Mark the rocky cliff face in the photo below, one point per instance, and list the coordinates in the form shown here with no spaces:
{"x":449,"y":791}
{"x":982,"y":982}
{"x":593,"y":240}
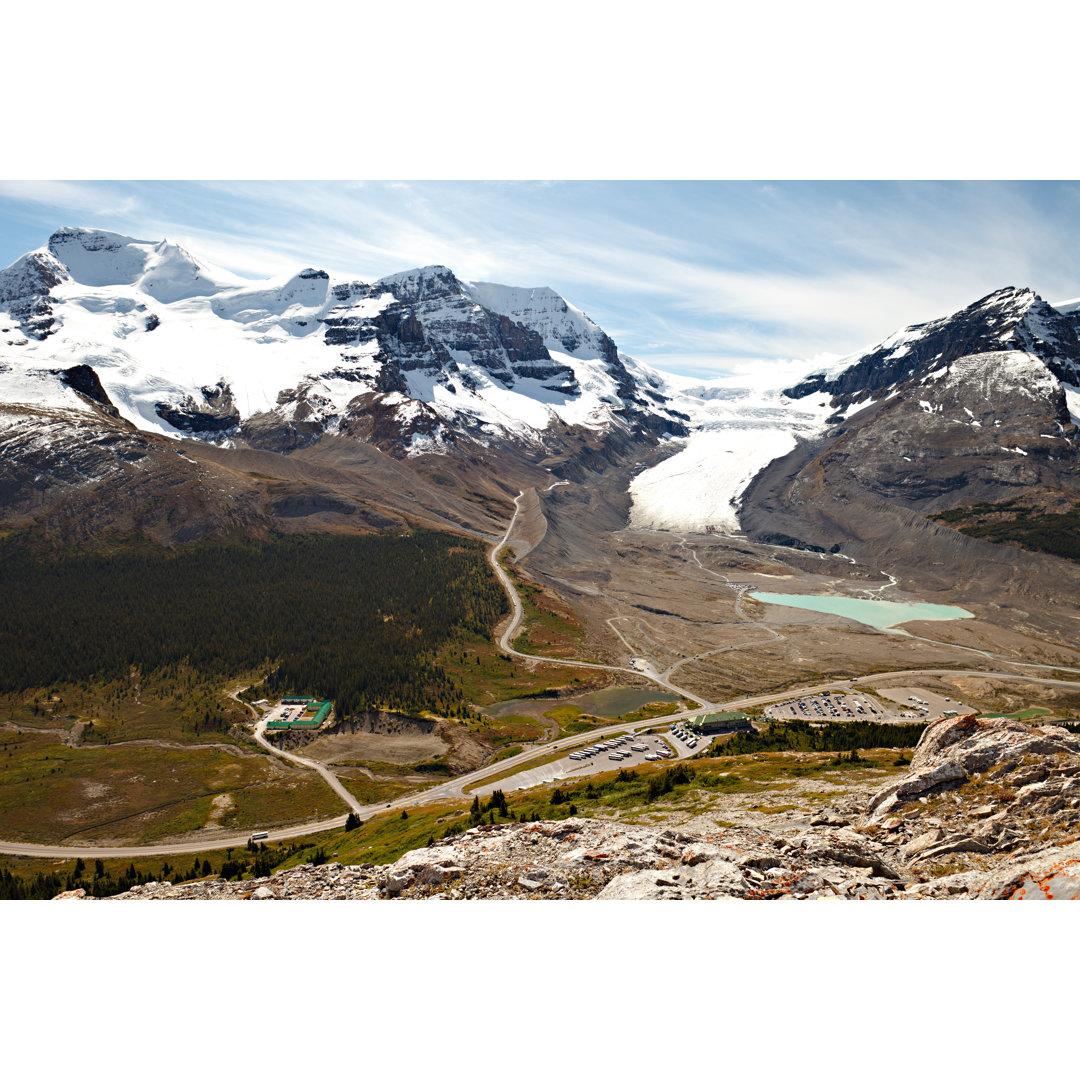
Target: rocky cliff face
{"x":990,"y":809}
{"x":989,"y":426}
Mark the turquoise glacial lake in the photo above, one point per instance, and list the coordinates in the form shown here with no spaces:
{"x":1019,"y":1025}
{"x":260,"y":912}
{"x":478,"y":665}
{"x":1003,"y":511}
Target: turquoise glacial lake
{"x":880,"y":614}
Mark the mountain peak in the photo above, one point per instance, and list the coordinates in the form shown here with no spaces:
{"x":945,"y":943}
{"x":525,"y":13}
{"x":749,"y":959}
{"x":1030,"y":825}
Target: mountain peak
{"x":1008,"y":319}
{"x":164,"y":270}
{"x":96,"y":257}
{"x":417,"y":361}
{"x":435,"y":282}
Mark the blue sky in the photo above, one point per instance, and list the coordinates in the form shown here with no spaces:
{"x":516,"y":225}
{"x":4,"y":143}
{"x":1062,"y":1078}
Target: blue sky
{"x":697,"y":277}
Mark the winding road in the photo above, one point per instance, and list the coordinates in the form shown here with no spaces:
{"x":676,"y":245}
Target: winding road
{"x":518,"y":614}
{"x":339,"y":788}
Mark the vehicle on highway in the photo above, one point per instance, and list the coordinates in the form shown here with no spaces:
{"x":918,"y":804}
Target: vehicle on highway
{"x":257,"y":836}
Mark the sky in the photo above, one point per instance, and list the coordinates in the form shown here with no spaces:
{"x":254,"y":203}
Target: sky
{"x":700,"y":278}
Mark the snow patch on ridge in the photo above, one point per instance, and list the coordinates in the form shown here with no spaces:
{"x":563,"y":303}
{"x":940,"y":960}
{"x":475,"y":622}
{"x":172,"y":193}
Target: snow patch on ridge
{"x":39,"y":389}
{"x":1005,"y":372}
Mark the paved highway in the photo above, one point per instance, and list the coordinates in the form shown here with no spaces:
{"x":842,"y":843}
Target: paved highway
{"x":455,"y":789}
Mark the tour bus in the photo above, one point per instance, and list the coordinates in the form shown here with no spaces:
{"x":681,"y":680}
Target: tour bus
{"x":257,"y":836}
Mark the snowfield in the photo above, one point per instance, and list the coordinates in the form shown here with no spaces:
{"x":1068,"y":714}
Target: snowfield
{"x":160,"y":327}
{"x":738,"y":432}
{"x":701,"y":485}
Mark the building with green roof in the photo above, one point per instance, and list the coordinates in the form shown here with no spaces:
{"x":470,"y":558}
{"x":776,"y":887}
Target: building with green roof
{"x":718,"y":723}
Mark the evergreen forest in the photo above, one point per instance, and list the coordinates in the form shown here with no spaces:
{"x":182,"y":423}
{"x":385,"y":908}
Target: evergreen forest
{"x":1013,"y":523}
{"x":803,"y":735}
{"x":358,"y":619}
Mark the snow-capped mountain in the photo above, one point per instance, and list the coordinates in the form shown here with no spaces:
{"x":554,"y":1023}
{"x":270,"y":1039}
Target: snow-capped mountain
{"x":113,"y":350}
{"x":414,"y":362}
{"x":1009,"y":319}
{"x":980,"y":406}
{"x":1005,"y":370}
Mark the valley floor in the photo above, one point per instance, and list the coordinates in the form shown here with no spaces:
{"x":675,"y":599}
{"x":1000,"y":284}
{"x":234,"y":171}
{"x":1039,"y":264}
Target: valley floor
{"x":647,"y":609}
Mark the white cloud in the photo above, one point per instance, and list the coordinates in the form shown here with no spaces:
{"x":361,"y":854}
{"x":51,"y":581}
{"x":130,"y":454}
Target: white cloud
{"x":66,"y":195}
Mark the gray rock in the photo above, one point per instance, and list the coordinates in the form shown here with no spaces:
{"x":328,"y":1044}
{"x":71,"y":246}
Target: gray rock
{"x":924,"y":841}
{"x":1046,"y":875}
{"x":977,"y":745}
{"x":913,"y":785}
{"x":954,"y":844}
{"x":396,"y":882}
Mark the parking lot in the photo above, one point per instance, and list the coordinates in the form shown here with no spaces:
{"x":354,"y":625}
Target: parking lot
{"x":914,"y":703}
{"x":826,"y":706}
{"x":626,"y":752}
{"x":283,"y":712}
{"x":602,"y":760}
{"x":612,"y":754}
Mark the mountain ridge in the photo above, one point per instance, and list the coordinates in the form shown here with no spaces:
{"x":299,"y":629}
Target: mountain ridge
{"x":146,"y":341}
{"x":94,"y":297}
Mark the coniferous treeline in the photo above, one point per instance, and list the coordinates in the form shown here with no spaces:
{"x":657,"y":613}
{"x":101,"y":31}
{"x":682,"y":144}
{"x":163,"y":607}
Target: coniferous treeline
{"x":354,"y":618}
{"x":1056,"y":534}
{"x":802,"y":735}
{"x":258,"y":861}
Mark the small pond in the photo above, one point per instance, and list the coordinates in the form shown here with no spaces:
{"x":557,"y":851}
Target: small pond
{"x":612,"y":702}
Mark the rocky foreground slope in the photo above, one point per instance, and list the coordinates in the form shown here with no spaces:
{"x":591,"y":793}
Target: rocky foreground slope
{"x":990,"y":809}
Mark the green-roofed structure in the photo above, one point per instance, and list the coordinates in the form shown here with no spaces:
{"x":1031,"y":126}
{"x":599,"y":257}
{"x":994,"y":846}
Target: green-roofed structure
{"x":315,"y":712}
{"x":718,"y":723}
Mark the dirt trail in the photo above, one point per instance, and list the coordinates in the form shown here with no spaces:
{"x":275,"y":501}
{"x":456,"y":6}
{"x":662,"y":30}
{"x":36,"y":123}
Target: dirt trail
{"x":529,"y":526}
{"x":65,"y":736}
